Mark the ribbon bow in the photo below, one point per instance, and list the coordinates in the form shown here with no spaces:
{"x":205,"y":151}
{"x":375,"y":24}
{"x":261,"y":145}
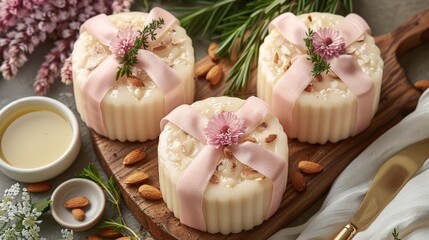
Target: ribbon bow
{"x":293,"y":82}
{"x":102,"y":78}
{"x":191,"y":185}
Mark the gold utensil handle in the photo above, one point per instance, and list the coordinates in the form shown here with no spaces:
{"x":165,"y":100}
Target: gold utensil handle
{"x":347,"y":233}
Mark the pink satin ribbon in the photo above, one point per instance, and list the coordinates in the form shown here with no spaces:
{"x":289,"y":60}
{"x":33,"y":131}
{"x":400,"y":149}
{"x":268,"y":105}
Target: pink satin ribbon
{"x":293,"y":82}
{"x":195,"y":178}
{"x":102,"y":78}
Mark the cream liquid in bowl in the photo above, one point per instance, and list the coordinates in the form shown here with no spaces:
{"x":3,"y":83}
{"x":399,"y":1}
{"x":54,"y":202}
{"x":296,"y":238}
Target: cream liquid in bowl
{"x":34,"y":137}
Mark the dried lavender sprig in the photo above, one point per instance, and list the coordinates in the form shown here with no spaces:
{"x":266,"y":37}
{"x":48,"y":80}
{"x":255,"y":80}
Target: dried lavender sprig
{"x":29,"y":34}
{"x":12,"y":11}
{"x":51,"y":67}
{"x":67,"y":72}
{"x":121,"y":5}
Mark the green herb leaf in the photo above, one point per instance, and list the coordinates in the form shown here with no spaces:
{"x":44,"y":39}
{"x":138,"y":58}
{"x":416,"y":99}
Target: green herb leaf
{"x":130,"y":57}
{"x":42,"y":205}
{"x":243,"y":25}
{"x":395,"y":235}
{"x":320,"y":65}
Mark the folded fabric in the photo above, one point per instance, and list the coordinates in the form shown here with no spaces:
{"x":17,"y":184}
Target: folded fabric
{"x":408,"y":212}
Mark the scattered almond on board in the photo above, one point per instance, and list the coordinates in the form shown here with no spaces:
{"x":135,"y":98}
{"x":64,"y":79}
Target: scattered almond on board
{"x":136,"y":178}
{"x":309,"y":167}
{"x":134,"y":156}
{"x":209,"y":68}
{"x":422,"y":85}
{"x":149,"y":192}
{"x":298,"y":181}
{"x":306,"y":167}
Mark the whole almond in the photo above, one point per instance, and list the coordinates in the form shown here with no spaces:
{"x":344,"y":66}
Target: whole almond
{"x":124,"y":238}
{"x":93,"y":237}
{"x":271,"y":138}
{"x":39,"y":187}
{"x":422,"y":85}
{"x":78,"y":214}
{"x":134,"y":156}
{"x":136,"y":178}
{"x":77,"y":202}
{"x":298,"y":181}
{"x":212,"y":49}
{"x":150,"y":192}
{"x":215,"y":74}
{"x":309,"y":167}
{"x":109,"y":233}
{"x":203,"y":68}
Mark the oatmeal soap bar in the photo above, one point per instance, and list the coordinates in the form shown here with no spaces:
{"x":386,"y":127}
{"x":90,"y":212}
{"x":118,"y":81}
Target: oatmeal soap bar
{"x":223,"y":168}
{"x":331,"y":105}
{"x":130,"y":108}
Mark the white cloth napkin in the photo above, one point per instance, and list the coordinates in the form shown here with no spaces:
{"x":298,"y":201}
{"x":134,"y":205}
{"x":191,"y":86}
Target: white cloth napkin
{"x":408,"y":212}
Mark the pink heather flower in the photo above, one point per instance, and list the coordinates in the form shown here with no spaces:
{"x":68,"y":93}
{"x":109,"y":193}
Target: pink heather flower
{"x":123,"y":42}
{"x":224,"y":129}
{"x":328,"y":43}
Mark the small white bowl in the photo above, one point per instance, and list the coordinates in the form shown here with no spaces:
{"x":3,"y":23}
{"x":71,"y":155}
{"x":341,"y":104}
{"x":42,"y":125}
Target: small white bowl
{"x":74,"y":188}
{"x":54,"y":168}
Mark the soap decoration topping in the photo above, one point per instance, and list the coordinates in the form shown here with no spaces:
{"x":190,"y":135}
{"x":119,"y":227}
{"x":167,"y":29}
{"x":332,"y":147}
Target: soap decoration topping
{"x":191,"y":185}
{"x":128,"y":42}
{"x":302,"y":72}
{"x":322,"y":46}
{"x":224,"y":129}
{"x":102,"y":78}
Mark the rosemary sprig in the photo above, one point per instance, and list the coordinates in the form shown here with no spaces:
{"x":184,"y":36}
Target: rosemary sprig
{"x":114,"y":197}
{"x":395,"y":235}
{"x":130,"y":57}
{"x":242,"y":25}
{"x":320,"y":65}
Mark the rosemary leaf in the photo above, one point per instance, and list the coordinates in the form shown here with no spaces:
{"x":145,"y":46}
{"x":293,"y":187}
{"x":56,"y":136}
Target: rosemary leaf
{"x":236,"y":22}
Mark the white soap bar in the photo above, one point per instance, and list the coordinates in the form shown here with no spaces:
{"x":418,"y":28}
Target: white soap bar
{"x":328,"y":112}
{"x":133,"y":113}
{"x":239,"y":201}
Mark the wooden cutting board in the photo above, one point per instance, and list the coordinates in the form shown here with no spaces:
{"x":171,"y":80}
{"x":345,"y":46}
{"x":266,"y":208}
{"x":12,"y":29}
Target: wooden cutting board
{"x":398,"y":98}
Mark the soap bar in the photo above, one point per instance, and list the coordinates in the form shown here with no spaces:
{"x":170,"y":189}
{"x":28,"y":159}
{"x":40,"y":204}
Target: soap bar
{"x":237,"y":197}
{"x":327,"y":109}
{"x":132,"y":112}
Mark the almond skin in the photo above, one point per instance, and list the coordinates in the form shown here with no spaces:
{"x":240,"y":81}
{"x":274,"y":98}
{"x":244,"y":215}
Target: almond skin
{"x":135,"y":82}
{"x":39,"y":187}
{"x":215,"y":74}
{"x":211,"y":51}
{"x":422,"y":85}
{"x":77,"y":202}
{"x":93,"y":237}
{"x":78,"y":214}
{"x":298,"y":181}
{"x":271,"y":138}
{"x":134,"y":156}
{"x":109,"y":233}
{"x":136,"y":178}
{"x":309,"y":167}
{"x":202,"y":69}
{"x":150,"y":192}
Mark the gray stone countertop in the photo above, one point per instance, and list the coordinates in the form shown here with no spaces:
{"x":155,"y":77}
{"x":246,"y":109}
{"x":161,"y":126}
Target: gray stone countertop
{"x":383,"y":16}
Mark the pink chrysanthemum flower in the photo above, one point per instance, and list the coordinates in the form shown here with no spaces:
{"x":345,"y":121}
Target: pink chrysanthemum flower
{"x":123,"y":42}
{"x":328,"y":43}
{"x":224,"y":129}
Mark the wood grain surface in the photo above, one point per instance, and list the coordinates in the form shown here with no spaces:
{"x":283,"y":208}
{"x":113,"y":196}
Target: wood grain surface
{"x":398,"y":98}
